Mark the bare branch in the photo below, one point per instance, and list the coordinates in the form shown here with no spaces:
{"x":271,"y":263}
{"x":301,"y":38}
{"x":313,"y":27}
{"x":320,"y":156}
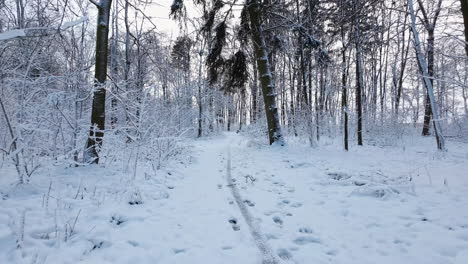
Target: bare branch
{"x":98,"y":5}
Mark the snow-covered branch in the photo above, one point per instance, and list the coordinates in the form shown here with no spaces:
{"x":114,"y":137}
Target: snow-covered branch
{"x":38,"y":31}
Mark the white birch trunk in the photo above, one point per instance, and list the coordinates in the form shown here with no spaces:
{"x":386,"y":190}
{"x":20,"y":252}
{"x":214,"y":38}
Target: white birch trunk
{"x":427,"y":82}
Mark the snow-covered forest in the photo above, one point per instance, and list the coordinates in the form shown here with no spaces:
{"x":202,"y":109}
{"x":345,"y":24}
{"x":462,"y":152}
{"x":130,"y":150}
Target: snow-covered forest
{"x":234,"y":131}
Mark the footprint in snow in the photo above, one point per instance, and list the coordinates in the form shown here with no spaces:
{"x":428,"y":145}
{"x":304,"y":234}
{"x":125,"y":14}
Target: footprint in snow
{"x":179,"y":250}
{"x":305,"y":230}
{"x":296,"y":204}
{"x":133,"y":243}
{"x":235,"y":226}
{"x":338,"y":176}
{"x":302,"y":240}
{"x":117,"y":220}
{"x":278,"y":183}
{"x":97,"y":244}
{"x":277,"y":220}
{"x":284,"y":254}
{"x":249,"y":203}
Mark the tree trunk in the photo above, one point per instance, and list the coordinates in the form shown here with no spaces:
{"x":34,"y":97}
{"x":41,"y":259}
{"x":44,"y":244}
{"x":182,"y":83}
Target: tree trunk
{"x":427,"y":79}
{"x":20,"y":13}
{"x":464,"y":9}
{"x":430,"y":72}
{"x":429,"y":24}
{"x":199,"y":97}
{"x":359,"y":87}
{"x":344,"y":95}
{"x":254,"y":95}
{"x":404,"y":59}
{"x":265,"y":74}
{"x":98,"y":112}
{"x":114,"y":66}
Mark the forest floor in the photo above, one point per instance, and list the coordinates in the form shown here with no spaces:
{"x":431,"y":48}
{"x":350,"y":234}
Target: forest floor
{"x":233,"y":200}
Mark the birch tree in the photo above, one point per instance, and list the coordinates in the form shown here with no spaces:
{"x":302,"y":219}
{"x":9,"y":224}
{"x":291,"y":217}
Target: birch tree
{"x":429,"y":24}
{"x":423,"y":67}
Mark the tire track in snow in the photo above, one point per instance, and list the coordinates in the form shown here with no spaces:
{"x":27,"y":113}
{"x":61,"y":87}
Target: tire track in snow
{"x":260,"y":241}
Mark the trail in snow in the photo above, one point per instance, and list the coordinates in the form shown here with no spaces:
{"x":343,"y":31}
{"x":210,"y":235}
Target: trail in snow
{"x":321,"y":205}
{"x":188,"y":225}
{"x":260,"y":241}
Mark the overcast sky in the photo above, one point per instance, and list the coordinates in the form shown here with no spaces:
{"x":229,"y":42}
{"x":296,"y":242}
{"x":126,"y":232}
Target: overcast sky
{"x":159,"y":12}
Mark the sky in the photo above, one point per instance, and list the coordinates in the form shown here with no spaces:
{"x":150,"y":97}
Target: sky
{"x":159,"y":12}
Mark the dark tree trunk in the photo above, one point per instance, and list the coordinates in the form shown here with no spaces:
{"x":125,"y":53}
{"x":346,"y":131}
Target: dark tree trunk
{"x":359,"y":87}
{"x":200,"y":111}
{"x":98,"y":112}
{"x":404,"y":59}
{"x":430,"y":25}
{"x":265,"y":74}
{"x":464,"y":9}
{"x":344,"y":97}
{"x":199,"y":97}
{"x":254,"y":95}
{"x":430,"y":71}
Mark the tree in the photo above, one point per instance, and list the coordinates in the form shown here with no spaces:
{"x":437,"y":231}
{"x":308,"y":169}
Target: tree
{"x":233,"y":70}
{"x":464,"y":9}
{"x":264,"y":71}
{"x":98,"y":112}
{"x":344,"y":95}
{"x":424,"y":68}
{"x":429,"y":25}
{"x":361,"y":31}
{"x":359,"y":82}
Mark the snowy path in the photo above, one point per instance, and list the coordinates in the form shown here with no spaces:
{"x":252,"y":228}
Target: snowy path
{"x":200,"y":223}
{"x":239,"y":202}
{"x":260,"y":241}
{"x":327,"y":206}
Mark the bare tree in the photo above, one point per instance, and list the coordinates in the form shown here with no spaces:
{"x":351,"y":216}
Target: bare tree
{"x":429,"y":25}
{"x":98,"y":112}
{"x":424,"y":68}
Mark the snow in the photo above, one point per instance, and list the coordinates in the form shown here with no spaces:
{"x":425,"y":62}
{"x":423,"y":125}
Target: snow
{"x":309,"y":205}
{"x":38,"y":31}
{"x":15,"y":33}
{"x":70,"y":24}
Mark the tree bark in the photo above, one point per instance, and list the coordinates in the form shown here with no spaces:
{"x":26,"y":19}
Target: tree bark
{"x":359,"y":87}
{"x":265,"y":74}
{"x":430,"y":27}
{"x":114,"y":66}
{"x":464,"y":9}
{"x":404,"y":59}
{"x":98,"y":112}
{"x":423,"y":67}
{"x":254,"y":95}
{"x":430,"y":72}
{"x":344,"y":95}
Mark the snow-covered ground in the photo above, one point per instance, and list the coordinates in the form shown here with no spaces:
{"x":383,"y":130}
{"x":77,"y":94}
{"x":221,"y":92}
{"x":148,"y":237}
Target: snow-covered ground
{"x":233,"y":200}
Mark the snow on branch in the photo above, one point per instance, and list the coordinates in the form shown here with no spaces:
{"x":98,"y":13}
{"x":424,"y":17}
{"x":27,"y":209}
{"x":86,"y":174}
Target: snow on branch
{"x":39,"y":31}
